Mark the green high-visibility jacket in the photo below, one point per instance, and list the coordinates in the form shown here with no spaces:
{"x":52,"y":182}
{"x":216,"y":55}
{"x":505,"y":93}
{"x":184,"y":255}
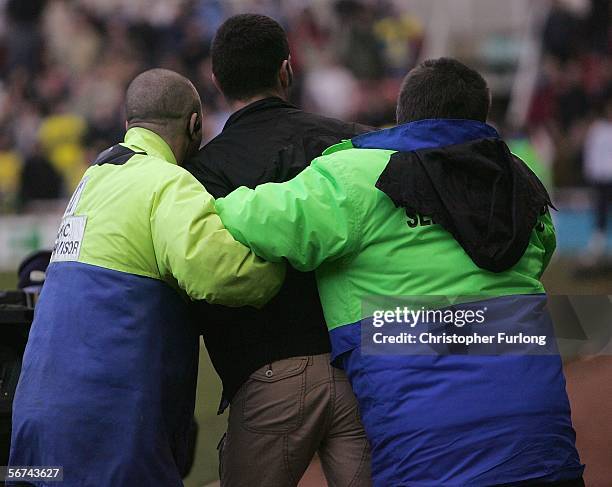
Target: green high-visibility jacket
{"x":332,"y":218}
{"x":150,"y":217}
{"x":109,"y":374}
{"x":431,"y":209}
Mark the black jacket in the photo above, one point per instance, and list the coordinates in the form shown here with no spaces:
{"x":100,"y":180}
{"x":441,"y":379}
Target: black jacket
{"x":267,"y":141}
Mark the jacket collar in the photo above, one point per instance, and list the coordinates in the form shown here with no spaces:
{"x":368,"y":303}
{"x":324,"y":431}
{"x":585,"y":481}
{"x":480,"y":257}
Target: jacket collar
{"x":425,"y":134}
{"x":257,"y":106}
{"x":144,"y":140}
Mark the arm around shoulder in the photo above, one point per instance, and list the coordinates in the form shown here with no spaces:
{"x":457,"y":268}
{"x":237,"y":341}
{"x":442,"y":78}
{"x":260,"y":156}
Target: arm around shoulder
{"x":308,"y":220}
{"x":193,"y":247}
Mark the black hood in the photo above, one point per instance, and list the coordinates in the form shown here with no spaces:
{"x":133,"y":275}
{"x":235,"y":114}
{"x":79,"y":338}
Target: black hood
{"x":482,"y":194}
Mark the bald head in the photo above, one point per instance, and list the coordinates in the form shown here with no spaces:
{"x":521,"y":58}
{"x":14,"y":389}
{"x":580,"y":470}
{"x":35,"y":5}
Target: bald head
{"x":160,"y":96}
{"x":168,"y":104}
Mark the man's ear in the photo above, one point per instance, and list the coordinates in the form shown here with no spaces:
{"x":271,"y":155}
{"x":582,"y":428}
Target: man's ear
{"x":286,"y":73}
{"x":195,"y":125}
{"x":126,"y":125}
{"x":216,"y":83}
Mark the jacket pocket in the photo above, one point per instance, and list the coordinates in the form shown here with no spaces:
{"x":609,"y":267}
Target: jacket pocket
{"x":274,"y":397}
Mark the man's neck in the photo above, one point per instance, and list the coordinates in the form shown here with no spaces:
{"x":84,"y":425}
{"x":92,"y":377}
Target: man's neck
{"x":236,"y":105}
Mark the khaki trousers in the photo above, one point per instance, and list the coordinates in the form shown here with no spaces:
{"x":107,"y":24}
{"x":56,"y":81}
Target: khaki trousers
{"x":285,"y":413}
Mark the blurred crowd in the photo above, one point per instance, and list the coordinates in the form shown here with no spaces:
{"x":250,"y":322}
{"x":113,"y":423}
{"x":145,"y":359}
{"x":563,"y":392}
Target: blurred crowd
{"x":64,"y":65}
{"x":574,"y":94}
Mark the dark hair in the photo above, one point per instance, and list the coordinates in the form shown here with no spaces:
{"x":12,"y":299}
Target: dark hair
{"x":247,"y":53}
{"x":443,"y":88}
